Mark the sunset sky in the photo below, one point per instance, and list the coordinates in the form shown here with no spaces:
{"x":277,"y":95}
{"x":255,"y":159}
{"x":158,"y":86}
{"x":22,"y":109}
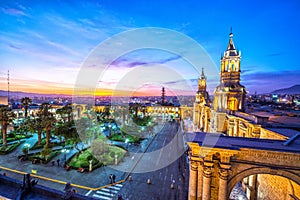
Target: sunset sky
{"x":44,"y":44}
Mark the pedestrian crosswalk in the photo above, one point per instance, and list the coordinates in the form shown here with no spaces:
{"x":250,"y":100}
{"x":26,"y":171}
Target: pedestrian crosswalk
{"x":108,"y":193}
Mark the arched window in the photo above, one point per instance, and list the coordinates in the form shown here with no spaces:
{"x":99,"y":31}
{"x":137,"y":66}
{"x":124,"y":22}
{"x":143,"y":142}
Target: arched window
{"x":232,"y":104}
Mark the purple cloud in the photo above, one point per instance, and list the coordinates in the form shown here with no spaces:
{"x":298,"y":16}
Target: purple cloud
{"x":14,"y":47}
{"x":14,"y":11}
{"x":127,"y":63}
{"x":264,"y":82}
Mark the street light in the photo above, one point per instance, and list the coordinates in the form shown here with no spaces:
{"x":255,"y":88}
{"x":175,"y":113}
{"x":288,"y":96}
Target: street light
{"x":27,"y":146}
{"x":126,"y":142}
{"x":65,"y":151}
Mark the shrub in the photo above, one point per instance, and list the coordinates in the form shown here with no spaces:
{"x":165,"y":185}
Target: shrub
{"x":46,"y":151}
{"x":84,"y":165}
{"x":25,"y":150}
{"x":11,"y":135}
{"x":112,"y":154}
{"x":89,"y":157}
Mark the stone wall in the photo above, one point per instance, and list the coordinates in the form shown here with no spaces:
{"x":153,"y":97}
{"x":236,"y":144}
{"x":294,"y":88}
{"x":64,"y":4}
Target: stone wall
{"x":272,"y":187}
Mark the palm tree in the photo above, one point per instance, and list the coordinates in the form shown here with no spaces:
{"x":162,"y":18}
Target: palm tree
{"x":6,"y":117}
{"x":68,"y":131}
{"x":65,"y":112}
{"x":68,"y":110}
{"x":48,"y":121}
{"x":134,"y":109}
{"x":36,"y":125}
{"x":26,"y":101}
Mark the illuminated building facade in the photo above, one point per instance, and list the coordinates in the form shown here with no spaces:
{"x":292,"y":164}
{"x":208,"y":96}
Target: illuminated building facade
{"x":227,"y":115}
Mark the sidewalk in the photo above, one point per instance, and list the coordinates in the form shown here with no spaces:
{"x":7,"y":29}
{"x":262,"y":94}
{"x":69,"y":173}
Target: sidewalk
{"x":97,"y":178}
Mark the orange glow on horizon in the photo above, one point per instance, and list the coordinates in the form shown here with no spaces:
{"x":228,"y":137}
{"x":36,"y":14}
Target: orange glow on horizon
{"x":54,"y":88}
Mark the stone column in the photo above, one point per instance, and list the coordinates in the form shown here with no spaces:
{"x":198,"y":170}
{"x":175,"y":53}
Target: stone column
{"x":235,"y":129}
{"x":230,"y":128}
{"x":207,"y":171}
{"x":201,"y":119}
{"x":223,"y":175}
{"x":205,"y":121}
{"x":200,"y":181}
{"x":253,"y":187}
{"x":193,"y":181}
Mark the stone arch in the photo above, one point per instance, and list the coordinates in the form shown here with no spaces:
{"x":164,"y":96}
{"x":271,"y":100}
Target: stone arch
{"x":261,"y":170}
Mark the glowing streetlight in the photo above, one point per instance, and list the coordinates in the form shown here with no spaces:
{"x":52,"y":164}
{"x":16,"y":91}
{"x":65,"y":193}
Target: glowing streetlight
{"x":27,"y":146}
{"x":126,"y":142}
{"x":65,"y":151}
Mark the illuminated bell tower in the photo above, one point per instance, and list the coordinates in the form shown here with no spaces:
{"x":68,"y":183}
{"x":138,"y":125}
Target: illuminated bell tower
{"x":201,"y":95}
{"x":230,"y":94}
{"x":201,"y":102}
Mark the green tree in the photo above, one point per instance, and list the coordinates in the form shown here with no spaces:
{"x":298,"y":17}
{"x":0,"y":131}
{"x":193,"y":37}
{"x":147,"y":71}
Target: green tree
{"x":84,"y":129}
{"x":36,"y":125}
{"x":65,"y":113}
{"x":98,"y":148}
{"x":6,"y":117}
{"x":48,"y":121}
{"x":26,"y":101}
{"x":134,"y":109}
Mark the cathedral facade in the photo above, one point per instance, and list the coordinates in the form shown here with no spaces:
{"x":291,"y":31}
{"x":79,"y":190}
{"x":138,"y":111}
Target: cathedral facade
{"x":227,"y":114}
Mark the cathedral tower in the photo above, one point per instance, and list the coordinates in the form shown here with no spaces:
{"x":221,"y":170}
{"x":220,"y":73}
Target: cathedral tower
{"x":202,"y":95}
{"x":230,"y":94}
{"x":201,"y":105}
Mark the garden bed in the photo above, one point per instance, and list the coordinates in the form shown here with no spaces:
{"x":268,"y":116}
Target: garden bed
{"x":52,"y":144}
{"x":40,"y":158}
{"x":11,"y":137}
{"x":123,"y":137}
{"x":81,"y":160}
{"x":9,"y":148}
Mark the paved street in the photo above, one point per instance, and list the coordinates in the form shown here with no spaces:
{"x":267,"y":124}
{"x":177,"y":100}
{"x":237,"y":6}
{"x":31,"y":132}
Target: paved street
{"x":167,"y":172}
{"x":156,"y":159}
{"x":107,"y":193}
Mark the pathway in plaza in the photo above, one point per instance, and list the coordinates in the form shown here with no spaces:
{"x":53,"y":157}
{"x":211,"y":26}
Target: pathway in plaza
{"x":174,"y":173}
{"x":169,"y":181}
{"x":97,"y":178}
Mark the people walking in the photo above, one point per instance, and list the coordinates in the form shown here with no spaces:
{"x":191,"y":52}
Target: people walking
{"x":58,"y":160}
{"x":113,"y":178}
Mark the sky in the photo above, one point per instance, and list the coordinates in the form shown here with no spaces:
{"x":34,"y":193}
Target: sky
{"x":46,"y":44}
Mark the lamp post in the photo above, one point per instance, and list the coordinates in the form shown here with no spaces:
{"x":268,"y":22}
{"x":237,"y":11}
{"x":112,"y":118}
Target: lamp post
{"x":27,"y":146}
{"x":116,"y":159}
{"x":65,"y":151}
{"x":126,"y":142}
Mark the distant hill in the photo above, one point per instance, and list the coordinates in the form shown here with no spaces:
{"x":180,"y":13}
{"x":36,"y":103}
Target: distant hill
{"x":28,"y":94}
{"x":291,"y":90}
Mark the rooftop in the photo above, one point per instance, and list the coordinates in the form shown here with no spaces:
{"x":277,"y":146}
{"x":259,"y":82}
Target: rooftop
{"x":236,"y":143}
{"x":285,"y":131}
